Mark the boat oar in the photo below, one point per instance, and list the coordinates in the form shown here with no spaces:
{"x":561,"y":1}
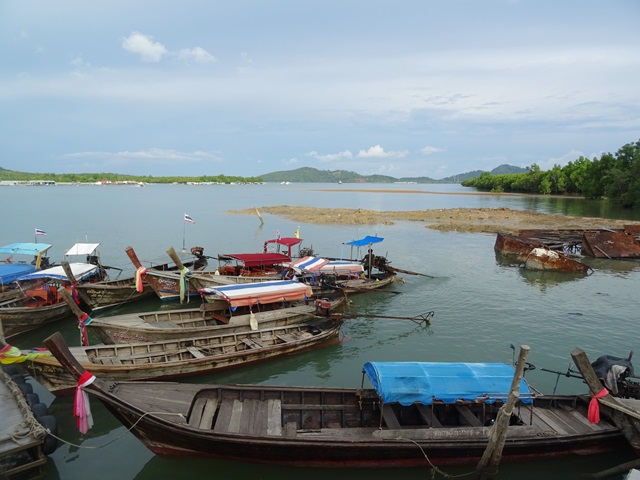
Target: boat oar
{"x":408,"y":272}
{"x":421,"y":318}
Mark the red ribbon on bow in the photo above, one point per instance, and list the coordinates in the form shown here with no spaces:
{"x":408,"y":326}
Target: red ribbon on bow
{"x":593,"y":413}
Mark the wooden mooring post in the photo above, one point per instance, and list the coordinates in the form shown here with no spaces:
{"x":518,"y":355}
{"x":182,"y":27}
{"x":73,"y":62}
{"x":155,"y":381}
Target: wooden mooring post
{"x":488,"y":465}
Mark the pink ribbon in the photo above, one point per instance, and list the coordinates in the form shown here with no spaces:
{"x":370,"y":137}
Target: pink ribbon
{"x":140,"y":273}
{"x":593,"y":413}
{"x":81,"y":407}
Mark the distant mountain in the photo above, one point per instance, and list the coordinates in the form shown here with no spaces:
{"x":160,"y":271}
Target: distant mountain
{"x":313,"y":175}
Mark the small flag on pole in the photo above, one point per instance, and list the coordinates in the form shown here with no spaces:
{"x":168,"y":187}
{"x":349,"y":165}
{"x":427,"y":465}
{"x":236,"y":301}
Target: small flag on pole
{"x":278,"y":234}
{"x":298,"y":232}
{"x":41,"y":232}
{"x":187,"y":218}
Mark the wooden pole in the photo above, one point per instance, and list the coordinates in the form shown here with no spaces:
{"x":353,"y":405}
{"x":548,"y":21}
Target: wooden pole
{"x":175,"y":258}
{"x":488,"y":465}
{"x":69,"y":273}
{"x":133,"y":257}
{"x":66,"y":296}
{"x":595,"y":386}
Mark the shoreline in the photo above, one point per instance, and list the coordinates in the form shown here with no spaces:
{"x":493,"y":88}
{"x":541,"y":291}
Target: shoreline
{"x":470,"y":220}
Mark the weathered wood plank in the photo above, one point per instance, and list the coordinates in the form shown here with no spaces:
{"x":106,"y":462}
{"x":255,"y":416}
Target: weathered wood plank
{"x":274,"y":417}
{"x":468,"y":416}
{"x":195,"y":352}
{"x":236,"y":415}
{"x":390,"y":418}
{"x":251,"y":344}
{"x":208,"y":413}
{"x":254,"y":417}
{"x":427,"y":415}
{"x":290,"y":429}
{"x":549,"y":420}
{"x":224,"y":416}
{"x":196,"y":412}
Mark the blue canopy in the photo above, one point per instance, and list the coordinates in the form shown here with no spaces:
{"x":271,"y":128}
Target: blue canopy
{"x":424,"y":382}
{"x":365,"y":241}
{"x":11,"y":270}
{"x":34,"y":249}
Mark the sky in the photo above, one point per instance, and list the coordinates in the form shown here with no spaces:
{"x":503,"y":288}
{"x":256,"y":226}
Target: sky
{"x":403,"y":88}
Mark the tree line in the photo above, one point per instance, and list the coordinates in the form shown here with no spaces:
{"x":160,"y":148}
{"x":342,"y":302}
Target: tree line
{"x":616,"y":177}
{"x":114,"y":177}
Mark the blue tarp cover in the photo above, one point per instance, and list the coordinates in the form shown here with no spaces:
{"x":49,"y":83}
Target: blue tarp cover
{"x":12,"y":271}
{"x":424,"y":382}
{"x":365,"y":241}
{"x":25,"y":248}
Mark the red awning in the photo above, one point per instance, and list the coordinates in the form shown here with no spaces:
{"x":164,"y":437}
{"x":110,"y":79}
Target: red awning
{"x":256,"y":259}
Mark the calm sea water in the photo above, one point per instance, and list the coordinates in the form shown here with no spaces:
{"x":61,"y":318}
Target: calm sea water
{"x":482,"y":306}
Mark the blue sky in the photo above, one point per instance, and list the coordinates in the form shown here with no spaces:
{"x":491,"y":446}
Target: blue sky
{"x":400,"y":88}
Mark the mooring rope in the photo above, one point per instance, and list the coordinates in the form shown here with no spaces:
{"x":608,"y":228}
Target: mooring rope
{"x":117,"y":438}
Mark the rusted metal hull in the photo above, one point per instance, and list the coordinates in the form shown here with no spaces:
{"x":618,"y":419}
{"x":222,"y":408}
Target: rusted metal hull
{"x":611,"y":244}
{"x":549,"y":260}
{"x":514,"y":245}
{"x":180,"y":358}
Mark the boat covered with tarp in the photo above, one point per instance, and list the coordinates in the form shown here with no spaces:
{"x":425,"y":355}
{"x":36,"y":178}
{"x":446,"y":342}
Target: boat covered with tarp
{"x":13,"y":268}
{"x":385,"y":426}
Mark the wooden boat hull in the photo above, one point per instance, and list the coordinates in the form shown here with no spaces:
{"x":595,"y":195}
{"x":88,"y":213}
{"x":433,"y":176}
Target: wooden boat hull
{"x":20,"y":319}
{"x":167,"y":284}
{"x":189,"y":323}
{"x":180,"y":358}
{"x":113,"y":293}
{"x":361,"y":285}
{"x":324,"y":427}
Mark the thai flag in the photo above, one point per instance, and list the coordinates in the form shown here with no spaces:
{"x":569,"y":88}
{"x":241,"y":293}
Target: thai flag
{"x":278,"y":234}
{"x":187,"y":218}
{"x":41,"y":232}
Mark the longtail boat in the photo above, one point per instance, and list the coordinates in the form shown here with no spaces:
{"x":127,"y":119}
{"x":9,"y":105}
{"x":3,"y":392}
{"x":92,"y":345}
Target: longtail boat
{"x":41,"y":302}
{"x":178,"y":358}
{"x":409,"y":414}
{"x":229,"y":309}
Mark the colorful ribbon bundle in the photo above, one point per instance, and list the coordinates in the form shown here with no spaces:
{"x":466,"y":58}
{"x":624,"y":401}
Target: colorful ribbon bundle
{"x":83,"y":321}
{"x":9,"y":354}
{"x":81,"y":407}
{"x":140,"y":274}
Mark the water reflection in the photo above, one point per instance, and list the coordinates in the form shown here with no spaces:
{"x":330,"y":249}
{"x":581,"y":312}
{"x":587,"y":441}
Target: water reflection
{"x":545,"y":279}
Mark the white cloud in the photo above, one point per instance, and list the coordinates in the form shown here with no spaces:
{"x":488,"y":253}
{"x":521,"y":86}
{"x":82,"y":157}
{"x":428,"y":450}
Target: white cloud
{"x":144,"y":46}
{"x":330,"y":157}
{"x":151,"y":154}
{"x":430,"y":150}
{"x":196,"y":55}
{"x":378,"y":152}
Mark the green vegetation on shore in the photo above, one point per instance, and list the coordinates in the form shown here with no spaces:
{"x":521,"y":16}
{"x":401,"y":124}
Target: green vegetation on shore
{"x":611,"y":176}
{"x":115,"y":177}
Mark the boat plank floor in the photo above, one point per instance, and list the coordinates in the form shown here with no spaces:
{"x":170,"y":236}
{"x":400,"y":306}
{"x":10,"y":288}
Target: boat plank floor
{"x":229,"y":416}
{"x":254,"y":417}
{"x":274,"y":417}
{"x":208,"y":413}
{"x":551,"y":421}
